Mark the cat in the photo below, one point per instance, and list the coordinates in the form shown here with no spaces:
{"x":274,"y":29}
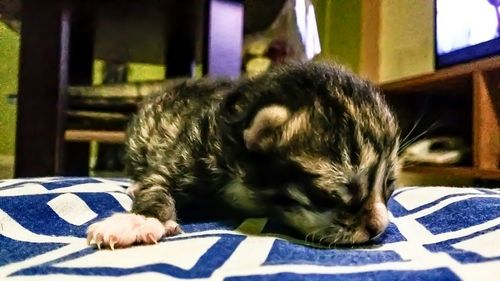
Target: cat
{"x":310,"y":144}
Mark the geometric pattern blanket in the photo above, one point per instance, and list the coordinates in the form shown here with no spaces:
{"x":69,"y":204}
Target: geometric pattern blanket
{"x":436,"y":233}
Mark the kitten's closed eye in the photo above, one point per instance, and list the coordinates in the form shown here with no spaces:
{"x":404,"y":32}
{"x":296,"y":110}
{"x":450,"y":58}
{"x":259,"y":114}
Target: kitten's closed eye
{"x":327,"y":199}
{"x":390,"y":185}
{"x":390,"y":182}
{"x":284,"y":200}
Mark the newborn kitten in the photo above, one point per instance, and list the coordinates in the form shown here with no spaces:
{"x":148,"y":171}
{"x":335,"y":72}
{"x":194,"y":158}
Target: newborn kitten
{"x":309,"y":144}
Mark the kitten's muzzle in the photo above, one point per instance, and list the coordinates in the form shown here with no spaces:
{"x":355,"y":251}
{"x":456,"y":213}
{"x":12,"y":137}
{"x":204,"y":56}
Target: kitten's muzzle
{"x":377,"y":220}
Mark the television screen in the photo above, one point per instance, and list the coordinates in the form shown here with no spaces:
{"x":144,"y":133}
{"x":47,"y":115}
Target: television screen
{"x":466,"y":30}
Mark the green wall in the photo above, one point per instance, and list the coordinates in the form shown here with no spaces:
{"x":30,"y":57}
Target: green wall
{"x":339,"y":26}
{"x":9,"y":61}
{"x":136,"y":72}
{"x":9,"y":55}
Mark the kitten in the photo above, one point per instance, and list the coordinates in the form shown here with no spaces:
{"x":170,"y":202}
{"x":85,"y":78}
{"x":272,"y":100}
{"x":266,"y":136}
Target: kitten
{"x":309,"y":144}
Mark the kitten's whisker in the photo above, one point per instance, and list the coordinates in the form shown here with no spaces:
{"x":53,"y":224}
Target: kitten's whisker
{"x":316,"y":232}
{"x":415,"y":125}
{"x":413,"y":128}
{"x":323,"y":238}
{"x":307,"y":236}
{"x":330,"y":245}
{"x":413,"y":139}
{"x":327,"y":237}
{"x":312,"y":233}
{"x":334,"y":239}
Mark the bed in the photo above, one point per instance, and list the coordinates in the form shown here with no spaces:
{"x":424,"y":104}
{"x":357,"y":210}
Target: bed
{"x":436,"y":233}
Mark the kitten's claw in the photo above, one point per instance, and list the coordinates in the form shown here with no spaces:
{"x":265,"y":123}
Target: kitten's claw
{"x":112,"y":241}
{"x":122,"y":230}
{"x":133,"y":189}
{"x":151,"y":239}
{"x":172,"y":228}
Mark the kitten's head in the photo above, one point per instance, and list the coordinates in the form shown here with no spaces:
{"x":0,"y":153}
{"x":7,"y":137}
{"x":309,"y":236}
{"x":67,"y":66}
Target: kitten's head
{"x":318,"y":149}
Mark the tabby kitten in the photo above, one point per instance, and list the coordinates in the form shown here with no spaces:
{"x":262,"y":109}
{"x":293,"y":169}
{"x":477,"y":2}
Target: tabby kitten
{"x":310,"y":144}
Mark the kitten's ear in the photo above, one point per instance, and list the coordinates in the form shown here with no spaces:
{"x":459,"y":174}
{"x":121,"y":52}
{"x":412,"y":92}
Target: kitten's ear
{"x":264,"y":129}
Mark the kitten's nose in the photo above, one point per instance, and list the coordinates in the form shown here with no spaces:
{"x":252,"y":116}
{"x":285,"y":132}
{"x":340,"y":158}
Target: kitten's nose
{"x":374,"y":230}
{"x":377,"y":220}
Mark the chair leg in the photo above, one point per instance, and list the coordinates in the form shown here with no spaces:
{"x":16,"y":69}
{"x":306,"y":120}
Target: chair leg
{"x":81,"y":58}
{"x":180,"y":56}
{"x":42,"y":82}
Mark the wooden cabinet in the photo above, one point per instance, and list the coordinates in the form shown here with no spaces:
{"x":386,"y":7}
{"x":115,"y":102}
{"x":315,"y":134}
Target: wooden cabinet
{"x":462,"y":101}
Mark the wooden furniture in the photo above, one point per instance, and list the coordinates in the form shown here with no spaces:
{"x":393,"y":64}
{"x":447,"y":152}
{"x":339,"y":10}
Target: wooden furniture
{"x":464,"y":100}
{"x":58,"y":49}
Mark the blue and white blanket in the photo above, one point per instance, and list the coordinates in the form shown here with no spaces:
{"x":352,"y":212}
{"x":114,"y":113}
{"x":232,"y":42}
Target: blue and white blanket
{"x":436,"y":233}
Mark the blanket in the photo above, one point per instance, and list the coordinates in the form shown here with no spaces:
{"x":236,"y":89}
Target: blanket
{"x":435,"y":233}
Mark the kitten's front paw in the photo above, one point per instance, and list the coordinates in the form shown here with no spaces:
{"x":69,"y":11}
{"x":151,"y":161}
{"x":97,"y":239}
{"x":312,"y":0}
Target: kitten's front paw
{"x":123,"y":230}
